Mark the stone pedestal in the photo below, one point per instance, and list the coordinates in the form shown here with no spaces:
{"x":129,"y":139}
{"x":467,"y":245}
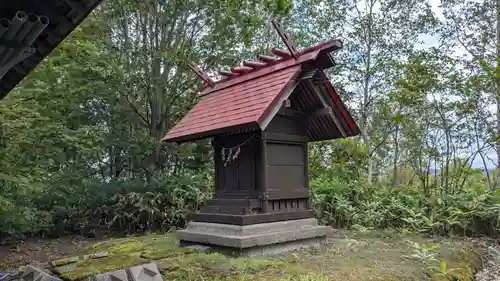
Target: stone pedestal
{"x":254,"y":240}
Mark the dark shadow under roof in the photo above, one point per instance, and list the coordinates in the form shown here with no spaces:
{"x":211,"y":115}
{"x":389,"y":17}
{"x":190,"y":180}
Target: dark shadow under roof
{"x":64,"y":16}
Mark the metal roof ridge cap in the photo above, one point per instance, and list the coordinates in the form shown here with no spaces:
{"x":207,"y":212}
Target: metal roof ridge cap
{"x":325,"y":45}
{"x":314,"y":49}
{"x":263,"y":71}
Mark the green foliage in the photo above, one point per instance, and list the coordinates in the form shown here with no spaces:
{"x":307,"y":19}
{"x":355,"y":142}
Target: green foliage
{"x":344,"y":158}
{"x":471,"y":210}
{"x":163,"y":208}
{"x":424,"y":253}
{"x":80,"y":139}
{"x":342,"y":197}
{"x":134,"y":207}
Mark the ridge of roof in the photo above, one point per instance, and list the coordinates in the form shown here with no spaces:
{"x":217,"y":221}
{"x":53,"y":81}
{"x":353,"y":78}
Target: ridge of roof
{"x":262,"y":68}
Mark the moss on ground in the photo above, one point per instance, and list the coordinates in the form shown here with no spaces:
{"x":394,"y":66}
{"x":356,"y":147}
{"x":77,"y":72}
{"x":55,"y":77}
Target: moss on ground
{"x":347,"y":257}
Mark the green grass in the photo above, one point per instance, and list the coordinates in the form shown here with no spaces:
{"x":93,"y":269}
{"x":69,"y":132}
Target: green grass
{"x":347,"y":257}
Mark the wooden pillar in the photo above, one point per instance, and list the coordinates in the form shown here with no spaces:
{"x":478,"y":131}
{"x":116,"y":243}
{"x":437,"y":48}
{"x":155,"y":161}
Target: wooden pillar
{"x":217,"y":161}
{"x":306,"y":172}
{"x":263,"y":173}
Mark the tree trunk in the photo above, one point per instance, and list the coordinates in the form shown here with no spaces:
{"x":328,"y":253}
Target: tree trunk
{"x":396,"y":156}
{"x":497,"y":96}
{"x":366,"y":91}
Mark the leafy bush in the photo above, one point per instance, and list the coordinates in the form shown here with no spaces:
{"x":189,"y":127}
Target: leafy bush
{"x":131,"y":206}
{"x":470,"y":210}
{"x":343,"y":198}
{"x":160,"y":208}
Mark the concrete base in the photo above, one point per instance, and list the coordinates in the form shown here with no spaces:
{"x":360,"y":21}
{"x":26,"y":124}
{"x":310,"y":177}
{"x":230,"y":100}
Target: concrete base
{"x":258,"y":239}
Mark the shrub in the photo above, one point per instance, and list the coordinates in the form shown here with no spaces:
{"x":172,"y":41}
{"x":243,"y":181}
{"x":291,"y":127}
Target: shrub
{"x":131,"y":206}
{"x":468,"y":212}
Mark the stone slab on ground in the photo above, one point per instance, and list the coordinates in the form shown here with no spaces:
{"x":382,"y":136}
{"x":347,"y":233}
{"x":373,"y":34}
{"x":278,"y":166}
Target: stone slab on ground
{"x":96,"y":255}
{"x":65,"y":261}
{"x":66,"y":268}
{"x":264,"y":239}
{"x":119,"y":275}
{"x":31,"y":273}
{"x":145,"y":272}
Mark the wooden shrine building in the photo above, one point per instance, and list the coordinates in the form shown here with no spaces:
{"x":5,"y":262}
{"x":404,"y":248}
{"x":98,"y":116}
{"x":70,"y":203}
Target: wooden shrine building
{"x":261,"y":117}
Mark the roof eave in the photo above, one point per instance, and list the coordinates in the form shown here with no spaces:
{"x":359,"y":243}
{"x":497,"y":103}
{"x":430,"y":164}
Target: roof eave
{"x":353,"y":129}
{"x":328,"y":46}
{"x":329,"y":119}
{"x":171,"y":138}
{"x":12,"y":78}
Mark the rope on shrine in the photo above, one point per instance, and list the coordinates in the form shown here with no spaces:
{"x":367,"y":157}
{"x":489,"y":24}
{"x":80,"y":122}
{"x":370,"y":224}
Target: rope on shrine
{"x":234,"y":151}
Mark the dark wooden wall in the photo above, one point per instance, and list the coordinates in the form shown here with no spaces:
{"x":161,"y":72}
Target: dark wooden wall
{"x":286,"y":173}
{"x":238,"y":179}
{"x":268,"y":181}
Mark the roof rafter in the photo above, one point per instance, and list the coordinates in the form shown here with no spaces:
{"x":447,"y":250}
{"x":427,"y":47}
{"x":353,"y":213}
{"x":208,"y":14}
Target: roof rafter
{"x":254,"y":64}
{"x":268,"y":59}
{"x":323,"y":111}
{"x":241,"y":69}
{"x":281,"y":53}
{"x":325,"y":104}
{"x":202,"y":75}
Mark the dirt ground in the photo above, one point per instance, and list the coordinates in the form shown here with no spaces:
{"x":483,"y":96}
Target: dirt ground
{"x":35,"y":250}
{"x":349,"y":256}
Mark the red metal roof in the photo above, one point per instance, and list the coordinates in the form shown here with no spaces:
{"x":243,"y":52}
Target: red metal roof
{"x":242,"y":104}
{"x":246,"y":99}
